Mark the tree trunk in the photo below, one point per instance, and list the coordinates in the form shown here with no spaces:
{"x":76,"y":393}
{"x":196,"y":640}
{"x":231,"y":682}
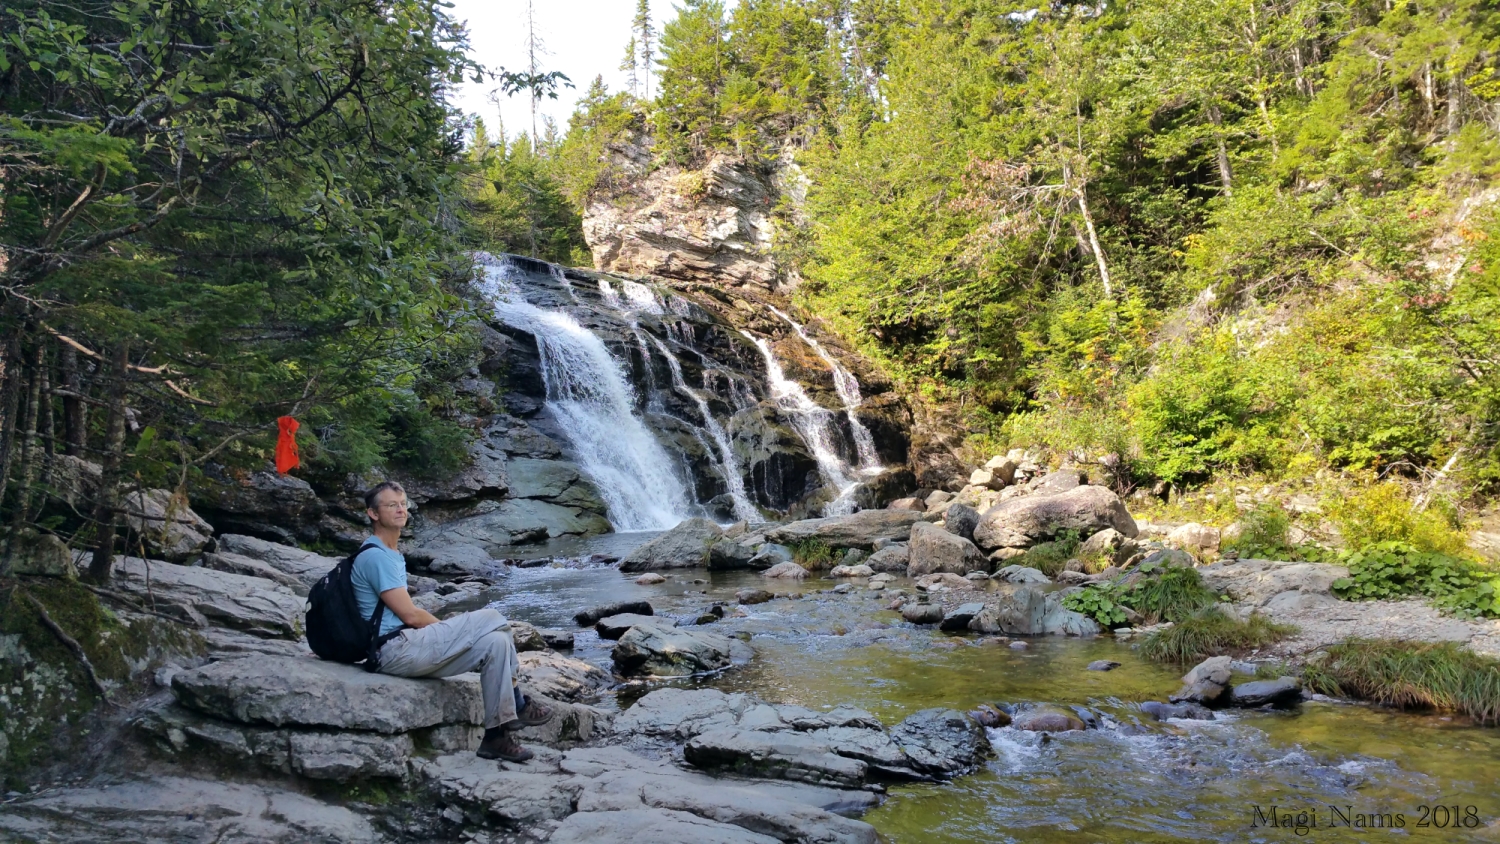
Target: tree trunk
{"x":29,"y":445}
{"x":1455,"y":106}
{"x":106,"y":509}
{"x":1221,"y":157}
{"x":10,"y":406}
{"x":48,"y":423}
{"x":75,"y":420}
{"x":1088,"y":222}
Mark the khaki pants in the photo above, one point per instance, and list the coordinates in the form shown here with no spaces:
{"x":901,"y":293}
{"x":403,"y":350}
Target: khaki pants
{"x":473,"y":640}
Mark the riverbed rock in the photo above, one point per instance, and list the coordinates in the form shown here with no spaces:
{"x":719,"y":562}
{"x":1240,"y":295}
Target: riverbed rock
{"x":933,"y":549}
{"x":650,"y":578}
{"x":201,"y":597}
{"x":1108,"y":545}
{"x":495,"y":526}
{"x":1278,"y":692}
{"x":655,"y":650}
{"x":169,"y":808}
{"x":959,"y":618}
{"x":1047,"y":719}
{"x":923,"y":613}
{"x":309,"y":692}
{"x":165,"y":523}
{"x":861,"y":530}
{"x":1206,"y":684}
{"x":787,"y":570}
{"x":1256,"y":582}
{"x":657,"y":826}
{"x":1102,"y":665}
{"x":615,"y":626}
{"x":1028,"y":611}
{"x":587,"y":618}
{"x":752,"y":596}
{"x":1187,"y":711}
{"x":559,"y":677}
{"x":684,"y":546}
{"x":860,"y":570}
{"x":306,"y":566}
{"x":942,"y":742}
{"x":1025,"y":521}
{"x":1198,"y":540}
{"x":777,"y":755}
{"x":1022,"y":574}
{"x":728,"y":555}
{"x":892,"y":559}
{"x":960,"y":520}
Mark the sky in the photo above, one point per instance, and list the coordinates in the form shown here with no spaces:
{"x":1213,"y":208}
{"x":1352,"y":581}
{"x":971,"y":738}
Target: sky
{"x":584,"y":38}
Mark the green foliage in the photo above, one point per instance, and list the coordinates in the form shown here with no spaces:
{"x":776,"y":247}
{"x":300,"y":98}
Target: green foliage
{"x":1265,"y":533}
{"x":1157,"y":592}
{"x":1098,"y":603}
{"x":1050,"y":557}
{"x":1396,"y":570}
{"x":813,"y":554}
{"x":1211,"y":632}
{"x":1411,"y":675}
{"x":518,"y":204}
{"x":1381,"y":513}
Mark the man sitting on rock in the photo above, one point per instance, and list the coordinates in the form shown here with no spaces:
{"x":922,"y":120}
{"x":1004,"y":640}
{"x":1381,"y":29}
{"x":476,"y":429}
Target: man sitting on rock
{"x":414,"y":643}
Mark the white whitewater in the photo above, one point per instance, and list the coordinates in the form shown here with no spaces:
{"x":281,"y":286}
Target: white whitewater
{"x":814,"y":424}
{"x":847,"y":386}
{"x":594,"y":407}
{"x":729,"y":464}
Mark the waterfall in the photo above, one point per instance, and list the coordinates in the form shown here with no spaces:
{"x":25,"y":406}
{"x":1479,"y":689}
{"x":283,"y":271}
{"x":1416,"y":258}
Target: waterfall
{"x":562,"y":278}
{"x":814,"y":424}
{"x":729,"y":465}
{"x":847,"y":387}
{"x":594,"y":407}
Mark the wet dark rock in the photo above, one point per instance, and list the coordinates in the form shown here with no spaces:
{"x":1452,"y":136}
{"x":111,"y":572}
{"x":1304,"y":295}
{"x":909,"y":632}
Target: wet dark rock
{"x":1189,"y":711}
{"x":1103,"y":665}
{"x":589,"y":617}
{"x":942,"y":742}
{"x":959,"y":618}
{"x":559,"y":640}
{"x":615,"y":626}
{"x":922,"y":613}
{"x":281,"y":508}
{"x":1279,"y":692}
{"x":990,"y":716}
{"x":752,"y":596}
{"x":961,"y":519}
{"x":727,"y":555}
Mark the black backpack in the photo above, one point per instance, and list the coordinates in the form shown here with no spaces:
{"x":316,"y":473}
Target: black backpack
{"x":336,"y":631}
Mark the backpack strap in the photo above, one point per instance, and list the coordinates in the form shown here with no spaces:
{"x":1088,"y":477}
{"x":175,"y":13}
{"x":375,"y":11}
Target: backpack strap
{"x":377,"y":641}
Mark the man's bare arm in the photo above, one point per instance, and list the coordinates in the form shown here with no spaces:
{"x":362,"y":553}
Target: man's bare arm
{"x":398,"y":601}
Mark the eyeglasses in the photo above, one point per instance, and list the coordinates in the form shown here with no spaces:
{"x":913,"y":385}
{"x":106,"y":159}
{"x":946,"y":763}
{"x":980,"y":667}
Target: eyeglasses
{"x":394,"y":505}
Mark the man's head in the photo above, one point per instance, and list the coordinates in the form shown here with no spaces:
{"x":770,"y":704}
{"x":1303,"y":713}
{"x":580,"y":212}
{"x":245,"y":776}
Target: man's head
{"x":386,"y":505}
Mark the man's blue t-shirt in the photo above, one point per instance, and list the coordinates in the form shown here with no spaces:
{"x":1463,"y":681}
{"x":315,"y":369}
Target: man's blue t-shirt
{"x":377,"y":569}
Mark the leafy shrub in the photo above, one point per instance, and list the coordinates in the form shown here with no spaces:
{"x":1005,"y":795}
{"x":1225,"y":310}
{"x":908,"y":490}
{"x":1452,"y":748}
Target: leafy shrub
{"x":1211,"y":632}
{"x":1173,"y":593}
{"x":1051,"y":557}
{"x":1382,"y":513}
{"x":1407,"y":675}
{"x":1098,"y":602}
{"x":1396,"y":570}
{"x":813,"y":554}
{"x":1265,"y":533}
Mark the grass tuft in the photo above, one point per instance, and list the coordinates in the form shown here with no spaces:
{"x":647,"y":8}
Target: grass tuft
{"x":813,"y":554}
{"x":1411,"y":675}
{"x":1211,"y":632}
{"x":1173,"y":593}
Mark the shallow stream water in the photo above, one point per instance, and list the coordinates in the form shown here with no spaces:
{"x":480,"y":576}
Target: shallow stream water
{"x":1132,"y":781}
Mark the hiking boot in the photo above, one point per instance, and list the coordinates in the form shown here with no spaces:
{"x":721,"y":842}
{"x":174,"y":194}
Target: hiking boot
{"x":500,"y":744}
{"x":532,"y":714}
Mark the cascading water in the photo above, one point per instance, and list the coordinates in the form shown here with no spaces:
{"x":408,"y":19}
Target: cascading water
{"x":814,"y":424}
{"x":729,"y":465}
{"x":847,"y":387}
{"x":589,"y":397}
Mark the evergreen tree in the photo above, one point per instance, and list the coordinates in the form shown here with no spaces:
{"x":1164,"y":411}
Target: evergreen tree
{"x":644,"y":38}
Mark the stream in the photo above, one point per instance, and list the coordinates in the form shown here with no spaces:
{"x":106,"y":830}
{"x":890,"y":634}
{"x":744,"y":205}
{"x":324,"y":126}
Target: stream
{"x":1132,"y":781}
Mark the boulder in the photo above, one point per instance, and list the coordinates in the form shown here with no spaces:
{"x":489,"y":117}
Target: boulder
{"x":1058,"y":620}
{"x":1198,"y":540}
{"x":1018,"y":612}
{"x":165,"y":523}
{"x":684,"y":546}
{"x":167,"y":808}
{"x":990,"y":716}
{"x":443,"y":556}
{"x":907,"y":504}
{"x":1187,"y":711}
{"x":559,"y":640}
{"x":656,"y":650}
{"x":270,"y":505}
{"x":852,"y":571}
{"x":526,"y":637}
{"x":1102,"y":665}
{"x":960,"y":519}
{"x":588,"y":617}
{"x":615,"y":626}
{"x":1047,"y":719}
{"x":512,"y":794}
{"x":338,"y":755}
{"x":777,"y":755}
{"x":933,"y":549}
{"x":1002,"y":468}
{"x":987,"y":479}
{"x":1256,"y":582}
{"x":308,"y":692}
{"x":497,"y":525}
{"x":27,"y":551}
{"x":1206,"y":684}
{"x":203,"y":597}
{"x":727,"y":555}
{"x":650,"y":578}
{"x":938,"y":581}
{"x":1021,"y":574}
{"x":559,"y":677}
{"x":752,"y":596}
{"x":1279,"y":692}
{"x":306,"y":566}
{"x":770,"y":554}
{"x":922,"y":613}
{"x":787,"y":570}
{"x":570,"y":724}
{"x":892,"y":558}
{"x":237,"y":564}
{"x":959,"y":618}
{"x":1022,"y":522}
{"x":1108,"y":545}
{"x":860,"y":530}
{"x":942,"y":742}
